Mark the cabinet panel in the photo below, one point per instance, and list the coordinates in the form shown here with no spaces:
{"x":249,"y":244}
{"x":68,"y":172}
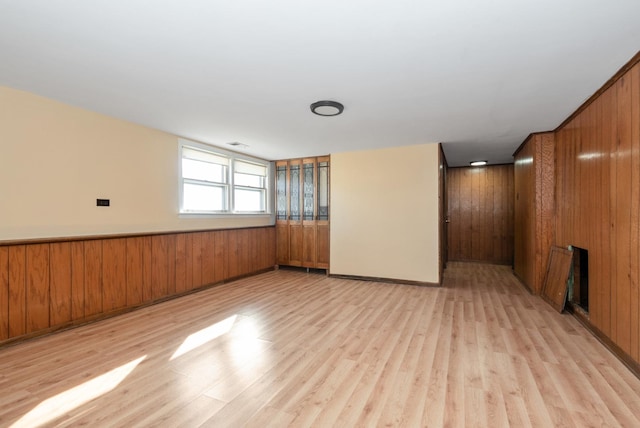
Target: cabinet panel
{"x":282,"y":243}
{"x":309,"y":245}
{"x":295,"y":245}
{"x":322,"y":243}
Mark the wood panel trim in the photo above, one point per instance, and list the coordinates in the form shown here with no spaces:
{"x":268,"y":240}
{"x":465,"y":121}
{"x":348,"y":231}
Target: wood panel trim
{"x":385,"y":280}
{"x":625,"y":358}
{"x":51,"y":240}
{"x":609,"y":83}
{"x":613,"y":80}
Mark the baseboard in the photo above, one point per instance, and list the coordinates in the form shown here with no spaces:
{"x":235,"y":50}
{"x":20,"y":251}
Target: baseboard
{"x":387,"y":280}
{"x":625,"y":358}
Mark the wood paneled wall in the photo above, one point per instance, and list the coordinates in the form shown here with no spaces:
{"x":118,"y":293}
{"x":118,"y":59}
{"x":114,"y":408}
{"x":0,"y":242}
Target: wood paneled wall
{"x":44,"y":286}
{"x":481,"y":214}
{"x":598,"y":203}
{"x":534,"y":182}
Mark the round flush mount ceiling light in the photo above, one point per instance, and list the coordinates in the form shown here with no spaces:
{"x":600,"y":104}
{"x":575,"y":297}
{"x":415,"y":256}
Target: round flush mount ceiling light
{"x":327,"y":108}
{"x":478,"y":163}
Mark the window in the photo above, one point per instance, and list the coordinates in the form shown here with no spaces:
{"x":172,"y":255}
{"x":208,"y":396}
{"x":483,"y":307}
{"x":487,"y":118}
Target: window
{"x":213,"y":181}
{"x":249,"y":186}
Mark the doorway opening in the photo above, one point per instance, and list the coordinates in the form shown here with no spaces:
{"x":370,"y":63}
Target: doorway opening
{"x":579,"y":280}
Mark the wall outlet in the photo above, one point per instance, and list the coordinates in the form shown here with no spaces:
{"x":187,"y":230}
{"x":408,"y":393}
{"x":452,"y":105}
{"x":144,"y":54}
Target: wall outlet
{"x":102,"y":202}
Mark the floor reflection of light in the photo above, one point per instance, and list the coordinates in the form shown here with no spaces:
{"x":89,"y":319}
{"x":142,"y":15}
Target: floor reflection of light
{"x":245,"y":345}
{"x":203,"y":336}
{"x":54,"y":407}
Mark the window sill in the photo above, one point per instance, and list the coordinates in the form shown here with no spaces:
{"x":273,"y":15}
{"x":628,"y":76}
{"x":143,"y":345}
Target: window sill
{"x":223,"y":215}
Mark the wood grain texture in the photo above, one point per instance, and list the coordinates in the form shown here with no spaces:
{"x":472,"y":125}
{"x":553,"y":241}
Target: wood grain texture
{"x":297,"y":349}
{"x":208,"y":257}
{"x":4,"y":293}
{"x":134,"y":271}
{"x":60,"y":283}
{"x":232,"y":254}
{"x":92,"y":278}
{"x":296,"y":238}
{"x":534,"y":171}
{"x":38,"y":298}
{"x":554,"y":290}
{"x":322,"y":257}
{"x":309,"y":244}
{"x":77,"y":280}
{"x":147,"y":269}
{"x":282,"y":241}
{"x":634,"y":231}
{"x":159,"y":268}
{"x":50,"y":285}
{"x":598,"y":203}
{"x":114,"y":274}
{"x":196,"y":258}
{"x":221,"y":257}
{"x":184,"y":272}
{"x":17,"y":290}
{"x":481,"y":213}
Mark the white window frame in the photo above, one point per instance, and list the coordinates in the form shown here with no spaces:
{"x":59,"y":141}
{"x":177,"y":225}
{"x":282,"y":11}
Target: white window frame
{"x":232,"y":157}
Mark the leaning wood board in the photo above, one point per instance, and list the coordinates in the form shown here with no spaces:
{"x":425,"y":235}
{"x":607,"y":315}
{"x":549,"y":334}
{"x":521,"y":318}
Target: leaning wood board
{"x":554,"y":290}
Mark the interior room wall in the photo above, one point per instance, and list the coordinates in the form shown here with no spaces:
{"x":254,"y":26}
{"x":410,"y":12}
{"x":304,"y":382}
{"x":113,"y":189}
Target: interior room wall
{"x":58,"y":159}
{"x":597,"y":156}
{"x":384,"y":213}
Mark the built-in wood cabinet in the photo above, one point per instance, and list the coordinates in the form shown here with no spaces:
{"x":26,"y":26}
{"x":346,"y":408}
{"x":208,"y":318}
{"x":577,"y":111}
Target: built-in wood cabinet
{"x":302,"y":212}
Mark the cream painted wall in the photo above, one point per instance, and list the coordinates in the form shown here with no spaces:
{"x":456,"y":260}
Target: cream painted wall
{"x":384,"y":213}
{"x":56,"y":160}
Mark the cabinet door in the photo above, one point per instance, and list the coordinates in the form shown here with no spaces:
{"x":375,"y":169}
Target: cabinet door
{"x":282,"y":243}
{"x":309,"y":208}
{"x":309,"y":244}
{"x":322,"y":223}
{"x":281,"y":191}
{"x":295,"y":213}
{"x":295,"y":245}
{"x":322,"y":245}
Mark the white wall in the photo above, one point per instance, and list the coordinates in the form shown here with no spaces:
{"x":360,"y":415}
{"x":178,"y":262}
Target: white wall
{"x":56,"y":160}
{"x":384,"y":213}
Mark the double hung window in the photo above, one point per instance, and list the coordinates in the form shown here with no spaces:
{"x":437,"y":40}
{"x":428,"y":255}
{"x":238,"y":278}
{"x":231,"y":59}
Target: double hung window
{"x":218,"y":182}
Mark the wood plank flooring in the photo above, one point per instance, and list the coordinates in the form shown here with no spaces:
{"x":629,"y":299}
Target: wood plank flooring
{"x":288,"y":348}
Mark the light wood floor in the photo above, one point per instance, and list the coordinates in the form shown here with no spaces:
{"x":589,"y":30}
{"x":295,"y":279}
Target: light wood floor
{"x":294,"y":349}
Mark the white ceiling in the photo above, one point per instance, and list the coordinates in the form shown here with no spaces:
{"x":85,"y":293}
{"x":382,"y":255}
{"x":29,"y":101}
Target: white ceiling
{"x":478,"y":76}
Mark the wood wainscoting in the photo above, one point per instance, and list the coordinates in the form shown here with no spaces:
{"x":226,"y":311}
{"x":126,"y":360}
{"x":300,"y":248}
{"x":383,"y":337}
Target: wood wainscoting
{"x":48,"y":285}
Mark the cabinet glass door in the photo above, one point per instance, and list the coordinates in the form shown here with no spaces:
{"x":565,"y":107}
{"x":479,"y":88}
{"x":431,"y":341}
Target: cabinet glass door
{"x":309,"y":191}
{"x":323,"y":191}
{"x":294,"y":203}
{"x":281,"y":192}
